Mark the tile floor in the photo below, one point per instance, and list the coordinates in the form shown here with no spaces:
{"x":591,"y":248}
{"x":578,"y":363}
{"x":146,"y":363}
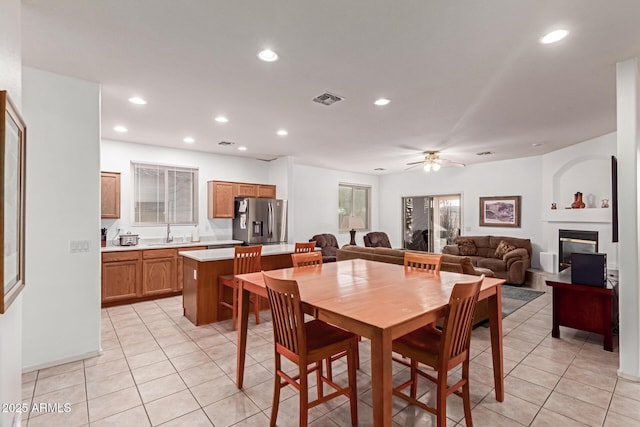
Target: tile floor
{"x":159,"y":369}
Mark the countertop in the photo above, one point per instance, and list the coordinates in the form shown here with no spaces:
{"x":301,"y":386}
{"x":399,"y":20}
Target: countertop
{"x":161,"y":245}
{"x":228,"y":253}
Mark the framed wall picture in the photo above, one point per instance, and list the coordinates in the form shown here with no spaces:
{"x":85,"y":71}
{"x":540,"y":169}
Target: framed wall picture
{"x":500,"y":211}
{"x":13,"y":138}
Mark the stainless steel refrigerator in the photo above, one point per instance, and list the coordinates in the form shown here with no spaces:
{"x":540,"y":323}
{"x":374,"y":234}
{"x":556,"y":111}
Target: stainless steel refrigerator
{"x":260,"y":221}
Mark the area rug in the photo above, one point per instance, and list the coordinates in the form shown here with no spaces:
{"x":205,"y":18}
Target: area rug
{"x":514,"y":297}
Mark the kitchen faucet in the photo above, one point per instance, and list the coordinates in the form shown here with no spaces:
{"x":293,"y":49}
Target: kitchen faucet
{"x":169,"y":237}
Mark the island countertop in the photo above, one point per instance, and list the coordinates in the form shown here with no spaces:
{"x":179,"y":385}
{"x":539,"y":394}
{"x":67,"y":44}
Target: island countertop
{"x":228,"y":253}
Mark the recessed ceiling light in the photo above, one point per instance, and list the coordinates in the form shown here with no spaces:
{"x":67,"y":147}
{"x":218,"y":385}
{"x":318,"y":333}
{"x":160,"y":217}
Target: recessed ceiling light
{"x":189,"y":140}
{"x":554,"y":36}
{"x":282,"y":132}
{"x":382,"y":101}
{"x":120,"y":129}
{"x":221,"y":119}
{"x":268,"y":55}
{"x":137,"y":100}
{"x":242,"y":148}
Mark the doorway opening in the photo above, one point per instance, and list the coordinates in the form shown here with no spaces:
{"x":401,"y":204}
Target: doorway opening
{"x":430,"y":222}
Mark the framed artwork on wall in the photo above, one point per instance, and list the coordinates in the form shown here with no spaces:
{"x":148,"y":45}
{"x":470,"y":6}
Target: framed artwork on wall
{"x":13,"y":138}
{"x":500,"y":211}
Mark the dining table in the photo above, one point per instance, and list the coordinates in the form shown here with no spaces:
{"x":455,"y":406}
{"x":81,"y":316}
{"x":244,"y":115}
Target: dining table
{"x":379,"y":301}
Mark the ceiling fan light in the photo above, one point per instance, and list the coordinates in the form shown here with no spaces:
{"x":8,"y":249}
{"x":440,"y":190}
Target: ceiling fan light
{"x":427,"y":167}
{"x":435,"y":167}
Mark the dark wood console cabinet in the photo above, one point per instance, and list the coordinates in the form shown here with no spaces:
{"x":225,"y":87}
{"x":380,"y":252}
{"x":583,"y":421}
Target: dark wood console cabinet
{"x":588,"y":308}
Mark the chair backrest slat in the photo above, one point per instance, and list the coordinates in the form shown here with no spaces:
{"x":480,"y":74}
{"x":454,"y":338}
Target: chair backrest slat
{"x":425,"y":262}
{"x":247,"y":259}
{"x":456,"y":331}
{"x":307,"y":259}
{"x":286,"y":311}
{"x":302,"y":247}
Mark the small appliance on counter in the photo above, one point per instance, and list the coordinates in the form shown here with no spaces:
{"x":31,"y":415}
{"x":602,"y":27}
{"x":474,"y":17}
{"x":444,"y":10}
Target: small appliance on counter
{"x":260,"y":221}
{"x":128,"y":239}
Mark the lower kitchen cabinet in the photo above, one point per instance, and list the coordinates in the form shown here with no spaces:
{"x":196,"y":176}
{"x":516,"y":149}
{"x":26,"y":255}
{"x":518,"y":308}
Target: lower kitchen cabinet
{"x":140,"y":275}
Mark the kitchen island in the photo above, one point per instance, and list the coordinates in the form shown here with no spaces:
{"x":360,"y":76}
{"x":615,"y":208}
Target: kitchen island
{"x":201,"y":269}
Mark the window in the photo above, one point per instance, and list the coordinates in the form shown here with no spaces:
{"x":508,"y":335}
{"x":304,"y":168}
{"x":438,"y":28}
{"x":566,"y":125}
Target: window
{"x":353,"y":200}
{"x":164,"y":194}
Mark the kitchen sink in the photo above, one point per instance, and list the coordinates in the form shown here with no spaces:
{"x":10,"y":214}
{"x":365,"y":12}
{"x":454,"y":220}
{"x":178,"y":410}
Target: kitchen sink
{"x":168,"y":244}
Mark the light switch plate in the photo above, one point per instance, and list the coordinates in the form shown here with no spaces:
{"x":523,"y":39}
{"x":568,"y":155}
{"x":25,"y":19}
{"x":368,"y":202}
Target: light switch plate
{"x":76,"y":246}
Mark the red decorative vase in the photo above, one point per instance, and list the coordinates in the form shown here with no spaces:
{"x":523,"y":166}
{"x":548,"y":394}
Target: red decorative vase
{"x":577,"y":201}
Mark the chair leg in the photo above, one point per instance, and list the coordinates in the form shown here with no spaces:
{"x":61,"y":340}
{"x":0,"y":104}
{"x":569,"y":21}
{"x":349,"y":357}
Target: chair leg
{"x":414,"y":378}
{"x":234,"y":310}
{"x":353,"y":392}
{"x":304,"y":396}
{"x":276,"y":393}
{"x":441,"y":399}
{"x":466,"y":395}
{"x":329,"y":369}
{"x":256,"y":308}
{"x":319,"y":383}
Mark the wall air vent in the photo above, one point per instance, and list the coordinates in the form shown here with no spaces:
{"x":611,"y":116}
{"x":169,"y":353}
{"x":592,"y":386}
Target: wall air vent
{"x":225,"y":143}
{"x":485,"y":153}
{"x":328,"y":98}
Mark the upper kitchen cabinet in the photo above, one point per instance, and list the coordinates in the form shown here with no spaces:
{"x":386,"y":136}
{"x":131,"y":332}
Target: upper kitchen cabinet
{"x":221,"y":194}
{"x":267,"y":191}
{"x":110,"y":194}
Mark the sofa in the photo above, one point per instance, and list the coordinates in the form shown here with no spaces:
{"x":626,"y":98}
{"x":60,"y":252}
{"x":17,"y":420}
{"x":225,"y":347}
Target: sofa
{"x":453,"y":263}
{"x":509,"y":260}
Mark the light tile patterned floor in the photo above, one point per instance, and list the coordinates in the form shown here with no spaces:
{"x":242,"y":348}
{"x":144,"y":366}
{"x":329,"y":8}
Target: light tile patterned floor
{"x":159,"y":369}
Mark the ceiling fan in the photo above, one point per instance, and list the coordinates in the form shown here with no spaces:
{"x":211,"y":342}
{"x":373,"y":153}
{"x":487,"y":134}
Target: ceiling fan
{"x":433,"y":162}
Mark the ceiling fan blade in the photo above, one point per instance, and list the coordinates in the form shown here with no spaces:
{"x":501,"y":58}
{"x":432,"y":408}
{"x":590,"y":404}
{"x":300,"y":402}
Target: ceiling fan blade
{"x":450,"y":163}
{"x":416,"y":163}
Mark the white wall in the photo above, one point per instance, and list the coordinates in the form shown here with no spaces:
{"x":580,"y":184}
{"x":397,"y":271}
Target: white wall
{"x":62,"y":296}
{"x":117,"y":156}
{"x":517,"y":177}
{"x":11,"y":321}
{"x":584,"y":167}
{"x":315,"y":192}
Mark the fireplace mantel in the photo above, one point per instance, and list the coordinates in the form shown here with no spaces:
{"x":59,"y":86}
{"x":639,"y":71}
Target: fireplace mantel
{"x":589,"y":215}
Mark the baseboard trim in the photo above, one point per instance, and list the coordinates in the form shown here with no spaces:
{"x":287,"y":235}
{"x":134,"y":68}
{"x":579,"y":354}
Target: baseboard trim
{"x":69,"y":359}
{"x":628,"y":377}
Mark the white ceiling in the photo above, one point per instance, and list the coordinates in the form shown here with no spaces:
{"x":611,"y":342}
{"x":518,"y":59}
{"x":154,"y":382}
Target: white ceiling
{"x":463,"y":76}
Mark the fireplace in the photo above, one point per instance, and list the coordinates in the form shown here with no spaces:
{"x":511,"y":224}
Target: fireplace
{"x":575,"y":241}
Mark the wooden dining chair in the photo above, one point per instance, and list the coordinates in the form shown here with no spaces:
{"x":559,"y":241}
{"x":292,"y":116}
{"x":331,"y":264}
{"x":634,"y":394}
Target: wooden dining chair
{"x":306,"y":259}
{"x":302,"y":247}
{"x":246,"y":259}
{"x":306,"y":344}
{"x":425,"y":262}
{"x":443,"y":351}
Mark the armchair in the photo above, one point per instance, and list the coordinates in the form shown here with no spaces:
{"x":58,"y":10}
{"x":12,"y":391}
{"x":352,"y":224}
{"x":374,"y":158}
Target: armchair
{"x":328,"y":245}
{"x":377,"y":239}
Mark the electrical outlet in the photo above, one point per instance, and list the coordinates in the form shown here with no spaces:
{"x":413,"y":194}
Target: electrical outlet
{"x":467,"y":229}
{"x":76,"y":246}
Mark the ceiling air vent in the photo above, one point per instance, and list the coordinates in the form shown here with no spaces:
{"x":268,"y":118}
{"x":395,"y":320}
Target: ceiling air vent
{"x":485,"y":153}
{"x":328,"y":98}
{"x":225,"y":143}
{"x":379,"y":169}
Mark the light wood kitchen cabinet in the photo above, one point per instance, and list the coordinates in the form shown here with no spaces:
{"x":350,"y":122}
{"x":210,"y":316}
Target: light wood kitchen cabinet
{"x":267,"y":191}
{"x":220,"y":196}
{"x":139,"y":275}
{"x":159,"y":271}
{"x":245,"y":190}
{"x":121,"y":276}
{"x":110,"y":195}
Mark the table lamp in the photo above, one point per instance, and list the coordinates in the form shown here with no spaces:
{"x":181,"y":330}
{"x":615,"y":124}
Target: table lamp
{"x":352,"y":222}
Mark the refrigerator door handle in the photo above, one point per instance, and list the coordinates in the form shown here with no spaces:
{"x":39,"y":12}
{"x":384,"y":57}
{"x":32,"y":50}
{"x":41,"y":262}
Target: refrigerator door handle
{"x":270,"y":220}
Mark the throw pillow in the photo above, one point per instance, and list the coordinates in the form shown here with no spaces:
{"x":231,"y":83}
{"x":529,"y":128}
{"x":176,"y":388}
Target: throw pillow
{"x":503,"y":248}
{"x":467,"y":247}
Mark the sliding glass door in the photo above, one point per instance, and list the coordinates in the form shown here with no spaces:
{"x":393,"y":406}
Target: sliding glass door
{"x":430,"y":222}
